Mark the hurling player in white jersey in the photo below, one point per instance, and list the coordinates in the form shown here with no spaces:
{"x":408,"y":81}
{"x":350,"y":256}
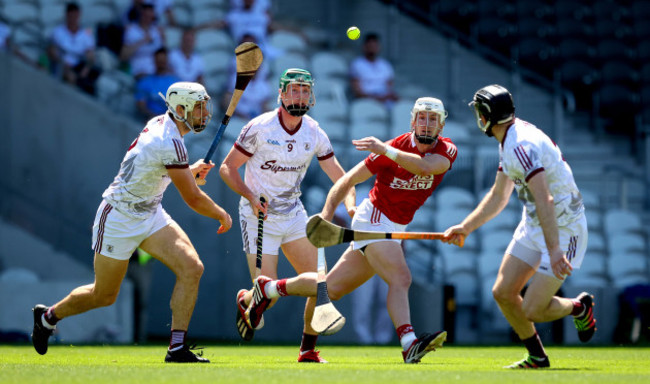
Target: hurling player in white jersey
{"x":407,"y":170}
{"x":131,"y":216}
{"x":551,"y":238}
{"x":276,"y":148}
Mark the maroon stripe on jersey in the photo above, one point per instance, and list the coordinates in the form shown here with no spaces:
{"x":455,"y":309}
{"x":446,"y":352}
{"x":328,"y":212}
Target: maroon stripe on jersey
{"x":523,"y":158}
{"x":177,"y":166}
{"x":242,"y":150}
{"x":326,"y":156}
{"x":100,"y":229}
{"x":533,"y":173}
{"x":180,"y":150}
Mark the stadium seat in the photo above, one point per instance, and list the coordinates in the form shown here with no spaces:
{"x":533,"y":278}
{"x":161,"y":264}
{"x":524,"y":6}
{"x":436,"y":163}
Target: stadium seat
{"x":628,"y":268}
{"x":361,"y":129}
{"x":97,"y":13}
{"x":594,"y":220}
{"x":368,"y":110}
{"x":19,"y":12}
{"x":507,"y":220}
{"x":329,"y":64}
{"x":627,"y":242}
{"x":590,"y":199}
{"x":202,"y":14}
{"x":621,"y":221}
{"x":595,"y":242}
{"x":288,"y":41}
{"x":213,"y":39}
{"x":336,"y":130}
{"x":327,"y":109}
{"x":286,"y":61}
{"x":457,"y":132}
{"x":445,"y":218}
{"x":173,"y":37}
{"x":594,"y":266}
{"x":454,"y":197}
{"x":496,"y":241}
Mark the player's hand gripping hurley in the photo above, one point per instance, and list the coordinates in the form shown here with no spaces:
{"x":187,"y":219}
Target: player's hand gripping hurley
{"x":322,"y":233}
{"x":327,"y":319}
{"x":249,"y":58}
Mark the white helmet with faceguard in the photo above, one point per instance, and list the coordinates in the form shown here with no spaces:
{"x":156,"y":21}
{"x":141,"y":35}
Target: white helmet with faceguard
{"x":187,"y":95}
{"x":430,"y":113}
{"x":298,"y":103}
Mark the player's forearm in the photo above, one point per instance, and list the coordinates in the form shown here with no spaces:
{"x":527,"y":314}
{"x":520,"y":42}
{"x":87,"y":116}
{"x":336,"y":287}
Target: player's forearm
{"x":202,"y":204}
{"x":335,"y":197}
{"x":487,"y":209}
{"x":233,"y":180}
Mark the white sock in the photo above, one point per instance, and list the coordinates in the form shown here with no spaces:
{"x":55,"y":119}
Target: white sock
{"x":46,"y":324}
{"x":407,"y":340}
{"x":271,"y":290}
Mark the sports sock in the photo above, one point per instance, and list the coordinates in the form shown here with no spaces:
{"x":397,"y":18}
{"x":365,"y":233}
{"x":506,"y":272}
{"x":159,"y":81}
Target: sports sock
{"x":308,"y":342}
{"x":177,"y":339}
{"x":534,"y":346}
{"x":49,"y":319}
{"x":406,"y":336}
{"x":578,"y":308}
{"x":275,"y":289}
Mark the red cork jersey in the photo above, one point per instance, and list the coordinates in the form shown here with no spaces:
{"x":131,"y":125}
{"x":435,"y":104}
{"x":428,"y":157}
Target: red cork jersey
{"x":398,"y":193}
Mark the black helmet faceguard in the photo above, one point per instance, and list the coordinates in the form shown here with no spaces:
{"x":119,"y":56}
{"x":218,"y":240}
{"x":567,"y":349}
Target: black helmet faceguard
{"x":495,"y":104}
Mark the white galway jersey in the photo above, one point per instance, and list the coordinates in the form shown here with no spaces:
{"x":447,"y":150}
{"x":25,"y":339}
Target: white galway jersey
{"x":526,"y":151}
{"x":139,"y":186}
{"x":279,"y":159}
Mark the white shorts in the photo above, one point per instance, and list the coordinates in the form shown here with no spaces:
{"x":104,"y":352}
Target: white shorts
{"x":116,"y":235}
{"x":528,"y":245}
{"x":278,"y":230}
{"x":369,"y":218}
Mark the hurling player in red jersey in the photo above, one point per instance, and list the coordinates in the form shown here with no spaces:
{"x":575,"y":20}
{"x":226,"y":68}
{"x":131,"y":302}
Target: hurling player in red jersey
{"x":408,"y":168}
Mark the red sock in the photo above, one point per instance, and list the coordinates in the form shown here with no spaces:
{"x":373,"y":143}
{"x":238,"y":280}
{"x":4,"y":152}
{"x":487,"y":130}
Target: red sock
{"x":404,"y":329}
{"x":578,"y":308}
{"x":177,"y":339}
{"x":308,"y":342}
{"x":282,"y":287}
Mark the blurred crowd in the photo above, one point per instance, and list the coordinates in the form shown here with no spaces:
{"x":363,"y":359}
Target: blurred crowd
{"x":147,"y":45}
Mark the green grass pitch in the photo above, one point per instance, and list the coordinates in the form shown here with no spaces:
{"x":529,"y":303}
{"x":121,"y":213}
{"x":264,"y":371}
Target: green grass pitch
{"x":263,"y":364}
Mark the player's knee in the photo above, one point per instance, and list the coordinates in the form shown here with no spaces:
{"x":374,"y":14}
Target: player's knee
{"x":400,"y":279}
{"x":533,"y":313}
{"x":105,"y":299}
{"x":193,"y":270}
{"x":502,"y":296}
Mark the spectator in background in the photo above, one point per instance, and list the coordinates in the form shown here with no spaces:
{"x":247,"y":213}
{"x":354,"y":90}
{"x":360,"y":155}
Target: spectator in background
{"x":258,"y":92}
{"x":248,"y":19}
{"x":141,"y":40}
{"x":71,"y":52}
{"x":372,"y":76}
{"x":185,"y":62}
{"x":258,"y":6}
{"x":148,"y":102}
{"x":162,"y":10}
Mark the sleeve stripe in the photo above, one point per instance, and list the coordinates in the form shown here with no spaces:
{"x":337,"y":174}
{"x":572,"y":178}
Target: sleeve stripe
{"x":326,"y":156}
{"x":177,"y":166}
{"x":242,"y":150}
{"x":533,"y":173}
{"x":523,"y":158}
{"x":180,"y":150}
